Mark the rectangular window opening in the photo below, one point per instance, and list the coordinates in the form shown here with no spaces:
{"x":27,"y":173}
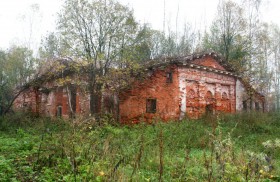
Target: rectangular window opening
{"x":59,"y":111}
{"x":25,"y":104}
{"x":209,"y":109}
{"x":151,"y":105}
{"x":244,"y":105}
{"x":169,"y":77}
{"x":73,"y":96}
{"x":257,"y":106}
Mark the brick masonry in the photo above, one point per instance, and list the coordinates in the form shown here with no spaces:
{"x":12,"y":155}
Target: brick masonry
{"x":194,"y":92}
{"x":133,"y":102}
{"x":191,"y":89}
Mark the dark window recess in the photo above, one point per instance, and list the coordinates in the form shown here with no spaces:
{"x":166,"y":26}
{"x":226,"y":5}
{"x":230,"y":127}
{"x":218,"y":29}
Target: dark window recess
{"x":209,"y":109}
{"x":59,"y":111}
{"x":244,"y":105}
{"x":73,"y":98}
{"x":169,"y":77}
{"x":257,"y":106}
{"x":151,"y":105}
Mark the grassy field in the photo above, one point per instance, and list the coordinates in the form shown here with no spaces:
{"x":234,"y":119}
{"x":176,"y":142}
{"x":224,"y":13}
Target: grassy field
{"x":243,"y":147}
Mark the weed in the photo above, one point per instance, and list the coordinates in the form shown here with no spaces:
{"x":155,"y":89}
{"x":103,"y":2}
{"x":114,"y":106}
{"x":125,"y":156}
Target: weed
{"x":228,"y":148}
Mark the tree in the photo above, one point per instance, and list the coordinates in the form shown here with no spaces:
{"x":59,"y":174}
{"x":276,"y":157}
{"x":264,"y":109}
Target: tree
{"x":275,"y":62}
{"x":227,"y":35}
{"x":3,"y":81}
{"x":260,"y":57}
{"x":50,"y":47}
{"x":31,"y":21}
{"x":17,"y":67}
{"x":171,"y":44}
{"x":186,"y":42}
{"x":98,"y":32}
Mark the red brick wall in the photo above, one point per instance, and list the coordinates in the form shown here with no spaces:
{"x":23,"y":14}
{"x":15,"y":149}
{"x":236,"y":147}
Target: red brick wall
{"x":61,"y":99}
{"x":209,"y":62}
{"x":133,"y":102}
{"x":28,"y":101}
{"x":46,"y":104}
{"x":195,"y":84}
{"x":191,"y":92}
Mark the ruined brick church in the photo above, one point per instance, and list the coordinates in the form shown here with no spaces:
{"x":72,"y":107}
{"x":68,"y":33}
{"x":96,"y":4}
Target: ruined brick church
{"x":173,"y":88}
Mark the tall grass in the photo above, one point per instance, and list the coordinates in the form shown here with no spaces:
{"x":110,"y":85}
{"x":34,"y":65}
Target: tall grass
{"x":225,"y":148}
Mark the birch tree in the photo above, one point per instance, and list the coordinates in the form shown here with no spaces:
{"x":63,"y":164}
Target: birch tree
{"x":227,"y":34}
{"x":275,"y":57}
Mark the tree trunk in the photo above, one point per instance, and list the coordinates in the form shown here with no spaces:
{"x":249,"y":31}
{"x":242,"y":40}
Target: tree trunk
{"x":117,"y":107}
{"x":38,"y":102}
{"x":92,"y":101}
{"x":15,"y":97}
{"x":92,"y":90}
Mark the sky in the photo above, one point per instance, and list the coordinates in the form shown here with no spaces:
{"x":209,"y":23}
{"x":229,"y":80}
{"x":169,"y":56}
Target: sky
{"x":21,"y":24}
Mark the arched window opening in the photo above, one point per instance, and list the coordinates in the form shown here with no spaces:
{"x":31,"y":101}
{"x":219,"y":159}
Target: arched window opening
{"x":224,"y":96}
{"x":209,"y":108}
{"x":209,"y":97}
{"x":191,"y":94}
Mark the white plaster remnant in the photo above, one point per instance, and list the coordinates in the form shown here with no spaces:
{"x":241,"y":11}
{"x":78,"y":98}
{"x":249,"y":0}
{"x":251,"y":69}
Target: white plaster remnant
{"x":239,"y":95}
{"x":183,"y":95}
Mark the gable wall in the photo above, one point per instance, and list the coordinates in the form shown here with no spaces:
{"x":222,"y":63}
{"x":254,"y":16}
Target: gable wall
{"x":185,"y":97}
{"x":208,"y":61}
{"x":199,"y":83}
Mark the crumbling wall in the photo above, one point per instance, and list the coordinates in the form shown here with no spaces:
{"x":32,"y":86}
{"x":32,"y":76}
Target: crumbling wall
{"x":208,"y":61}
{"x":241,"y":96}
{"x":226,"y":97}
{"x":28,"y":101}
{"x":192,"y":99}
{"x":183,"y":89}
{"x":203,"y":91}
{"x":59,"y":97}
{"x":133,"y":102}
{"x":247,"y":98}
{"x":196,"y":92}
{"x":52,"y":100}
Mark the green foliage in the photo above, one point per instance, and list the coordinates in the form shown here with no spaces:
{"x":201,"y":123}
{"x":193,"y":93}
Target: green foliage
{"x":228,"y":35}
{"x":230,"y":148}
{"x":17,"y":66}
{"x":52,"y":47}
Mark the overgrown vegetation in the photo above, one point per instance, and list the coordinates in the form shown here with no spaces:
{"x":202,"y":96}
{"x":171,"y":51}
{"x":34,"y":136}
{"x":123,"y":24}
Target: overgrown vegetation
{"x":243,"y":147}
{"x":99,"y":35}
